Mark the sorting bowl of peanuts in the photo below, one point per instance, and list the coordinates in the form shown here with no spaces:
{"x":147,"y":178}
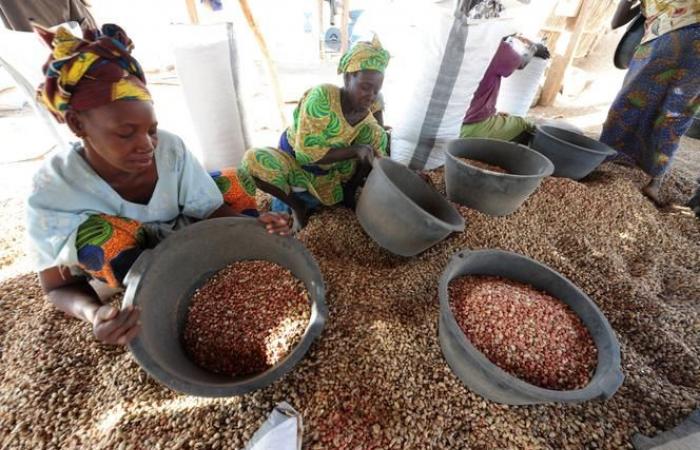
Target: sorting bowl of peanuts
{"x":517,"y":332}
{"x":226,"y":308}
{"x":493,"y":176}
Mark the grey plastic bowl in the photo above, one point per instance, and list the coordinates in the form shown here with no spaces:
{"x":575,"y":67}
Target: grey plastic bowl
{"x":163,"y":280}
{"x":574,"y":155}
{"x":558,"y":123}
{"x":629,"y":42}
{"x":492,"y":193}
{"x":488,"y":380}
{"x":694,"y":129}
{"x":401,"y":212}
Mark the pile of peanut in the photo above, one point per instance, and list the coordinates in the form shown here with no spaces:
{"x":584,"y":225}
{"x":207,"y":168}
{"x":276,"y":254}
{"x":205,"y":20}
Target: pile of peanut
{"x":525,"y":332}
{"x":376,"y":378}
{"x":483,"y":165}
{"x":246,"y":318}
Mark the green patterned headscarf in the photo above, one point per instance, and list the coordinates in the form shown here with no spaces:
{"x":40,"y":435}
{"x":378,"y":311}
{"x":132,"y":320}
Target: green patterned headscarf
{"x":364,"y":56}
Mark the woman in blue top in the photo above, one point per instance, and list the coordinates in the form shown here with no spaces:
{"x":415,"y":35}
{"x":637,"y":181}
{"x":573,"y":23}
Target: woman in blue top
{"x":95,"y":208}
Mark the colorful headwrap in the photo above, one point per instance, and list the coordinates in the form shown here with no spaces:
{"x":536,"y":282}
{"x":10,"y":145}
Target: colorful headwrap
{"x":364,"y":56}
{"x":86,"y":73}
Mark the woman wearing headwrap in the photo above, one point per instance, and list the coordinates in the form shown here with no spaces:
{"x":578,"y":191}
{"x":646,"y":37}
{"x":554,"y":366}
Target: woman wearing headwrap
{"x":327,"y":152}
{"x":95,"y":208}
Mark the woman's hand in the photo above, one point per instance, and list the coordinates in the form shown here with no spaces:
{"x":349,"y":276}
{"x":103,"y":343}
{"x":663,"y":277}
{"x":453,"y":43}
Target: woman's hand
{"x":74,"y":296}
{"x":115,"y":327}
{"x":541,"y":51}
{"x":276,"y":223}
{"x":365,"y":154}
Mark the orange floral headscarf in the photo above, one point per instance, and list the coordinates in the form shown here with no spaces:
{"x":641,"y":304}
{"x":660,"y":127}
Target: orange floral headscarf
{"x":86,"y":73}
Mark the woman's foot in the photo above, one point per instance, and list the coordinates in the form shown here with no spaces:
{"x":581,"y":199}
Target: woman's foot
{"x":358,"y":180}
{"x":653,"y":192}
{"x":349,"y":195}
{"x":300,"y":215}
{"x":300,"y":211}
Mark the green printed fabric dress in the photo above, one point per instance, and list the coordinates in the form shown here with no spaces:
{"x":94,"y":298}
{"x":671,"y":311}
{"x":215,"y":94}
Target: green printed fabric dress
{"x":319,"y":126}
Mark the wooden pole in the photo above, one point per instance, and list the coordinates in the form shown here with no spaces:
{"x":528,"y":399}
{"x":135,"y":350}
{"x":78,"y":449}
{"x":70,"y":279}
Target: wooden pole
{"x":192,"y":11}
{"x":345,"y":15}
{"x":268,"y":59}
{"x":555,"y":77}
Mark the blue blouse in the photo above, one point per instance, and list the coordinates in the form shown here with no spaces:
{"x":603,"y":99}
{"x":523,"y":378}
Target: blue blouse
{"x":66,"y":191}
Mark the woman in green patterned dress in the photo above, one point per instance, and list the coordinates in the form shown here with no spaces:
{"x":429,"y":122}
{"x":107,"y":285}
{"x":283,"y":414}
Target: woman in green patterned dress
{"x":328,"y":151}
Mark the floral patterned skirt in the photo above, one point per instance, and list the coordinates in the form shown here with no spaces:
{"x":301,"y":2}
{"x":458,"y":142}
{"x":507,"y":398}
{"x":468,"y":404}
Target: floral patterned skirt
{"x":657,"y":102}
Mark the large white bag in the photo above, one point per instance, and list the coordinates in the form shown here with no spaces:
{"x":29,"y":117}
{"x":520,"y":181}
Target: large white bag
{"x":518,"y":90}
{"x":207,"y":62}
{"x":450,"y":61}
{"x":427,"y":102}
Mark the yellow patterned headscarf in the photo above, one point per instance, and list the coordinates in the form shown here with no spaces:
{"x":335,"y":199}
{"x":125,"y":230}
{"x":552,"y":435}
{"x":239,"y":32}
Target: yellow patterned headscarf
{"x":364,"y":56}
{"x":86,"y":73}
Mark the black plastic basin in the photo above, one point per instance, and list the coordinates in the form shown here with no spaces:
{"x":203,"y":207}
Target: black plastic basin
{"x":163,"y":280}
{"x":485,"y":378}
{"x":492,"y":193}
{"x":694,"y":129}
{"x":574,"y":155}
{"x":402,"y":213}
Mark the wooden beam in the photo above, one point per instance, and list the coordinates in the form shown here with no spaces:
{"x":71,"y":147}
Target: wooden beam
{"x":344,"y":38}
{"x":565,"y":30}
{"x":568,"y":8}
{"x":192,"y":11}
{"x":268,"y":58}
{"x":561,"y":62}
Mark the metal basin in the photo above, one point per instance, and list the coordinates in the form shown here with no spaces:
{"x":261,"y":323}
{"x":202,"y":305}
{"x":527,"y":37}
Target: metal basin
{"x":402,"y":213}
{"x":492,"y":193}
{"x":574,"y":155}
{"x":163,"y":280}
{"x":490,"y":381}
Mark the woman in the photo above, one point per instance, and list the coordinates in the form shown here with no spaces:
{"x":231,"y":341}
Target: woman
{"x":482,"y":120}
{"x":661,"y":91}
{"x":328,"y":151}
{"x":95,"y":208}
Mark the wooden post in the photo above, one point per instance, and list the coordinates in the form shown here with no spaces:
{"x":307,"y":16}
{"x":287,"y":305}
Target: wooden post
{"x":192,"y":11}
{"x":561,"y":62}
{"x":344,"y":38}
{"x":321,"y":51}
{"x":268,"y":59}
